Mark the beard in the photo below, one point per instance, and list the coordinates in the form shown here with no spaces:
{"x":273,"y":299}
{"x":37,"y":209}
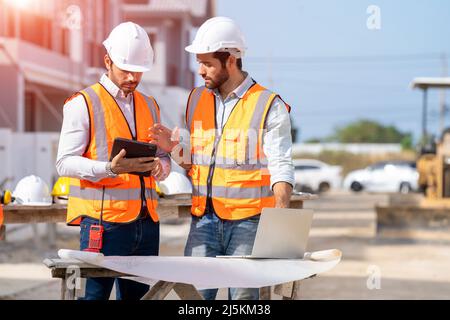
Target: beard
{"x":217,"y":81}
{"x":128,"y":87}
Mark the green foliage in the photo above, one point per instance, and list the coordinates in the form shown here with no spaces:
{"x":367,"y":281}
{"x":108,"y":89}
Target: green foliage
{"x":313,"y":140}
{"x":368,"y":131}
{"x":407,"y":142}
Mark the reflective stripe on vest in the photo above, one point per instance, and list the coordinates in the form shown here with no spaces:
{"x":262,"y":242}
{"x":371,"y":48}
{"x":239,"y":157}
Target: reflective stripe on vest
{"x":235,"y":193}
{"x":110,"y":194}
{"x":122,"y":197}
{"x":240,"y":185}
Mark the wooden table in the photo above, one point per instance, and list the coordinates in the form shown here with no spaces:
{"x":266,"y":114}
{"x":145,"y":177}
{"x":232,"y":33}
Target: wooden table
{"x":71,"y":271}
{"x":173,"y":206}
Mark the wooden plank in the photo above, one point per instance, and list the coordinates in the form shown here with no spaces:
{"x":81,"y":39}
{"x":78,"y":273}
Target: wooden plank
{"x":159,"y":291}
{"x":304,"y":197}
{"x":63,"y":288}
{"x":59,"y":268}
{"x":175,"y":201}
{"x":64,"y":263}
{"x":184,"y":212}
{"x":70,"y":294}
{"x":264,"y":293}
{"x":90,"y":273}
{"x":34,"y":214}
{"x":187,"y":292}
{"x":295,"y":291}
{"x":284,"y":289}
{"x":57,"y":212}
{"x":290,"y":290}
{"x":81,"y":291}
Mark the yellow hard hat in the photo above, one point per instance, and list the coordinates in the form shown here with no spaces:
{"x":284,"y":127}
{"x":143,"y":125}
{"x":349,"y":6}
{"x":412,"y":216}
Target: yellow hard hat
{"x":61,"y":187}
{"x":157,"y":188}
{"x":6,"y":197}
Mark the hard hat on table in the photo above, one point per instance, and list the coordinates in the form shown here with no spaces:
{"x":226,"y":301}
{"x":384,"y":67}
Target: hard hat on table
{"x":175,"y":183}
{"x":32,"y":190}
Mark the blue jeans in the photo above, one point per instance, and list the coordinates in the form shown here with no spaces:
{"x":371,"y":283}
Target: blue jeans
{"x":137,"y":238}
{"x":210,"y":236}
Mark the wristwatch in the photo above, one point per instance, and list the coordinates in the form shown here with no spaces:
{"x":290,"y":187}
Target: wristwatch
{"x":109,"y":171}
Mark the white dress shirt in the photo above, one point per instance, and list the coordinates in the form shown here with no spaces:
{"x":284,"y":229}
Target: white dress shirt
{"x":277,"y":140}
{"x":75,"y":137}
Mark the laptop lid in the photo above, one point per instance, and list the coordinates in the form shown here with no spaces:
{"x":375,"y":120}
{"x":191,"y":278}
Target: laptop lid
{"x":282,"y":233}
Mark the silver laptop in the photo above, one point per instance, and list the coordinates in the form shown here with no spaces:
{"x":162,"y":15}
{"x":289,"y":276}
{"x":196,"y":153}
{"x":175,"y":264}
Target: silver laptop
{"x":281,"y":234}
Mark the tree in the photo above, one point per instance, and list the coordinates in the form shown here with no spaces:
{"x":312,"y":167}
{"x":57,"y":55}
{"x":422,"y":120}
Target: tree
{"x":313,"y":140}
{"x":368,"y":131}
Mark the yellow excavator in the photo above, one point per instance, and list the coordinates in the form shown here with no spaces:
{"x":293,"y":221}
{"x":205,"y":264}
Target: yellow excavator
{"x":431,"y":208}
{"x":434,"y":173}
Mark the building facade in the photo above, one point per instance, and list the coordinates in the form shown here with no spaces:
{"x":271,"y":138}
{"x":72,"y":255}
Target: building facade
{"x":50,"y":49}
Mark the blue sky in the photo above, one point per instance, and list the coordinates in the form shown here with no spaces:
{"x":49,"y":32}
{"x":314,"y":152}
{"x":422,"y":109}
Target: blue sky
{"x":323,"y":60}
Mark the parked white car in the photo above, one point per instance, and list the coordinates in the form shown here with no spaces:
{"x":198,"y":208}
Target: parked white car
{"x":316,"y":176}
{"x":385,"y":176}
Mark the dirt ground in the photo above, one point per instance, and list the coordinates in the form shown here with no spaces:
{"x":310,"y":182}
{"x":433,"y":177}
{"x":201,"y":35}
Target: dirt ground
{"x":372,"y":267}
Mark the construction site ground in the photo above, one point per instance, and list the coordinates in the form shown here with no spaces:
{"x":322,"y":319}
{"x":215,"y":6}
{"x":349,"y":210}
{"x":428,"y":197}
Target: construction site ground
{"x":372,"y":267}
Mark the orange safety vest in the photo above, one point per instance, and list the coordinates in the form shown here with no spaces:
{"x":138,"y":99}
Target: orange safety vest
{"x":1,"y":215}
{"x":123,"y":194}
{"x":230,"y":168}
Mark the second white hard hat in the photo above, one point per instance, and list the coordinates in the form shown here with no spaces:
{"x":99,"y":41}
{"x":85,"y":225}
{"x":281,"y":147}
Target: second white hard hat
{"x":32,"y":190}
{"x":128,"y":46}
{"x":218,"y":34}
{"x":175,"y":183}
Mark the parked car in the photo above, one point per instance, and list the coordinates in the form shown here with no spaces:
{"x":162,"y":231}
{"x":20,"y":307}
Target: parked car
{"x":385,"y":176}
{"x":316,"y":176}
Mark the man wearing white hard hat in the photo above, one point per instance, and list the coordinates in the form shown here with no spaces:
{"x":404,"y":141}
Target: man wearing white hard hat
{"x":239,"y":157}
{"x":116,"y":210}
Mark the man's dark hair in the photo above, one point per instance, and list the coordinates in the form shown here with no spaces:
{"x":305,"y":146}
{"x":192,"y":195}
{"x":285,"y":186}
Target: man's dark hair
{"x":222,"y":56}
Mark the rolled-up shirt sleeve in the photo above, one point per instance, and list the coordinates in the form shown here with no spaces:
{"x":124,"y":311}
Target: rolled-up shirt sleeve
{"x":277,"y":144}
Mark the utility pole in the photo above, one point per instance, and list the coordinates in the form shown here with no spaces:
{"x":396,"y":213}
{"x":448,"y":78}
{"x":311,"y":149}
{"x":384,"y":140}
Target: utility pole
{"x":442,"y":107}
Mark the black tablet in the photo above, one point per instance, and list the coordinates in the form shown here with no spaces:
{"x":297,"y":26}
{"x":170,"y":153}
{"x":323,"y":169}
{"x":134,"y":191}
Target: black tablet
{"x":134,"y":149}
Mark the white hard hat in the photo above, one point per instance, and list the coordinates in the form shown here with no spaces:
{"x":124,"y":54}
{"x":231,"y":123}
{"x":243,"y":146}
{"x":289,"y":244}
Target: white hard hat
{"x":32,"y":190}
{"x":129,"y":47}
{"x":175,"y":183}
{"x":218,"y":34}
